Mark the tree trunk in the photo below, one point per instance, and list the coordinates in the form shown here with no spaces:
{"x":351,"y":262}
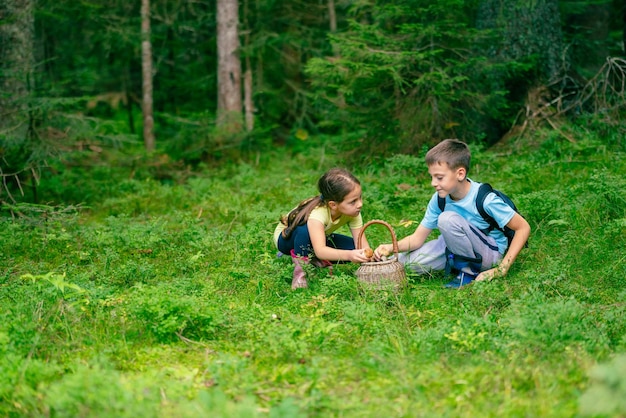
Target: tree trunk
{"x":16,"y":65}
{"x":17,"y":162}
{"x":247,"y":78}
{"x":229,"y":106}
{"x":332,"y":16}
{"x":146,"y":72}
{"x":249,"y":104}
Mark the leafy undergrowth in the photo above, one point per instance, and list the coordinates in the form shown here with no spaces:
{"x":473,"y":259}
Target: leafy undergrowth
{"x":168,"y":300}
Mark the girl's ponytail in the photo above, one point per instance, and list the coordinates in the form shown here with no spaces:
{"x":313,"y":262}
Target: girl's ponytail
{"x":300,"y":215}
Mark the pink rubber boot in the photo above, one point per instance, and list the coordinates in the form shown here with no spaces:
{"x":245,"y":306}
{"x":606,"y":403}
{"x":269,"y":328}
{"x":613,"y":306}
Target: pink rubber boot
{"x":299,"y":275}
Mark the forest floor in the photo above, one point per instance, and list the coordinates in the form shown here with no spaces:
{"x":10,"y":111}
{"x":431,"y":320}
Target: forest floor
{"x":167,"y":299}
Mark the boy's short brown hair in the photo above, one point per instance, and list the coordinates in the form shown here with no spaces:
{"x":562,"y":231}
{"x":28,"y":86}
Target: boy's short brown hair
{"x":450,"y":151}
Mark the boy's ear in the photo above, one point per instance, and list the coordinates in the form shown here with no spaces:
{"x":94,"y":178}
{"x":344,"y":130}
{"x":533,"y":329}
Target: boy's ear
{"x":461,"y":173}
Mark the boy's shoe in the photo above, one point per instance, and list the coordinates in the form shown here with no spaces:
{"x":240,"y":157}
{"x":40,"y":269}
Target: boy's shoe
{"x":463,"y":279}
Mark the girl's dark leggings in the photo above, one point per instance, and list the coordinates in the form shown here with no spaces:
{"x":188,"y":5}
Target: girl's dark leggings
{"x":300,"y":242}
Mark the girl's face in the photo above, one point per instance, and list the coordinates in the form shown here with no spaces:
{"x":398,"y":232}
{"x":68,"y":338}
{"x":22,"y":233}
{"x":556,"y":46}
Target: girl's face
{"x":444,"y":179}
{"x":351,"y":204}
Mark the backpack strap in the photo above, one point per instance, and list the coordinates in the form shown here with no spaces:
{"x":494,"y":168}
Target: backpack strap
{"x":483,"y":191}
{"x":441,"y":201}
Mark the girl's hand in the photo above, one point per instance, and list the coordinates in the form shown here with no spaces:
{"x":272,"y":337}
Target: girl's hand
{"x":383,"y":250}
{"x":358,"y":256}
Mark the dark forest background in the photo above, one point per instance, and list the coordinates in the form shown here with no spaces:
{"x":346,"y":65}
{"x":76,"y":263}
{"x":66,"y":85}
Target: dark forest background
{"x":349,"y":76}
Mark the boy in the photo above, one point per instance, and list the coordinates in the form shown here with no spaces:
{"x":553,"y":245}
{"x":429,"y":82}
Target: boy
{"x":466,"y":242}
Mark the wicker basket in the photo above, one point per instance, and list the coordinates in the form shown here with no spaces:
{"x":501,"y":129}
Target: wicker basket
{"x":382,"y":274}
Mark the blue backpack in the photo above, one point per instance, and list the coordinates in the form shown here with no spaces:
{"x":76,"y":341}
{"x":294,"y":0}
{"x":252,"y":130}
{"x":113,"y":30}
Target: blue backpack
{"x":483,"y":191}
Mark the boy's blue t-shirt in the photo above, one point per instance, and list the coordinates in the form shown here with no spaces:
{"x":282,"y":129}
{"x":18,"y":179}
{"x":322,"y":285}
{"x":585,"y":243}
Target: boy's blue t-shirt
{"x":466,"y":207}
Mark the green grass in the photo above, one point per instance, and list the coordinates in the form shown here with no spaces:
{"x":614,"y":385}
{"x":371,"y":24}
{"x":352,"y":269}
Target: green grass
{"x":167,"y":299}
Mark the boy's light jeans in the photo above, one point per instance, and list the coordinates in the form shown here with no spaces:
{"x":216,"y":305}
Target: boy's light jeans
{"x":461,"y":238}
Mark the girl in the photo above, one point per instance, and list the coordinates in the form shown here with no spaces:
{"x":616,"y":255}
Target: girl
{"x":308,"y":230}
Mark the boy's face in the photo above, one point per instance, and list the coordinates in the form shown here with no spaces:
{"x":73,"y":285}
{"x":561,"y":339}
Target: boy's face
{"x":444,"y":179}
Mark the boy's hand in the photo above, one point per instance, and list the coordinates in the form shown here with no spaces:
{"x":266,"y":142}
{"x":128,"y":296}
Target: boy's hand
{"x":486,"y":275}
{"x":491,"y":274}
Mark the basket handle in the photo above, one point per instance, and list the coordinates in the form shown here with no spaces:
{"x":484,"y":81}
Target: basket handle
{"x":394,"y":241}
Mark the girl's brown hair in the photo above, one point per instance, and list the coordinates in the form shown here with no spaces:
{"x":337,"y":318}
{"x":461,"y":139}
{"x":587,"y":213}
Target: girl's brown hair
{"x":334,"y":185}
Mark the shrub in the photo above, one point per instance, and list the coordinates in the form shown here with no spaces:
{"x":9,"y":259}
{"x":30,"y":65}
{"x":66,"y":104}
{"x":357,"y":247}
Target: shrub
{"x":169,"y":314}
{"x":537,"y":324}
{"x":606,"y":394}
